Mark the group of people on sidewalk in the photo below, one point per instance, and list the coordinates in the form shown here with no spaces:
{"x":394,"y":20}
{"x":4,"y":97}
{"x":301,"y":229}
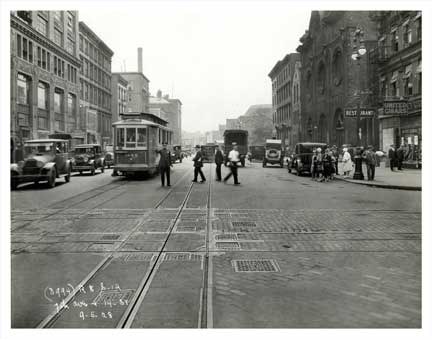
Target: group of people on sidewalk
{"x":165,"y":164}
{"x":324,"y":167}
{"x":396,"y":157}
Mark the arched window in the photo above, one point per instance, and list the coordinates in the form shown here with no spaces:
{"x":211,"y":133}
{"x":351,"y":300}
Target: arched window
{"x":337,"y":67}
{"x":321,"y":78}
{"x":309,"y":85}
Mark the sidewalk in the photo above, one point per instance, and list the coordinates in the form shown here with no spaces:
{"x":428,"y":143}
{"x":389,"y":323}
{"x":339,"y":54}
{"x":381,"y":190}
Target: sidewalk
{"x":407,"y":179}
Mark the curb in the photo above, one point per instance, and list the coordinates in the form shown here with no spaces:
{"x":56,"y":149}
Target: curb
{"x":388,"y":186}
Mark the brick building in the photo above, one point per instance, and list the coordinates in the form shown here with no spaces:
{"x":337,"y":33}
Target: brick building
{"x":333,"y":84}
{"x":282,"y":78}
{"x":172,"y":110}
{"x":400,"y":80}
{"x":44,"y":75}
{"x":95,"y":82}
{"x":119,"y":86}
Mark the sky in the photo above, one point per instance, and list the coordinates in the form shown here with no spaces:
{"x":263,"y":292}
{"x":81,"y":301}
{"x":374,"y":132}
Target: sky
{"x":213,"y":56}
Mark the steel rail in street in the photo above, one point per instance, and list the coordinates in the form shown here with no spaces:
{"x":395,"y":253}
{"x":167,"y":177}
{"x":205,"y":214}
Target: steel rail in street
{"x":50,"y":320}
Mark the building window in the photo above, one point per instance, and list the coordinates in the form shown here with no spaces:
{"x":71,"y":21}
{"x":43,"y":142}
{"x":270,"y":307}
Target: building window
{"x":19,"y":45}
{"x":23,"y":88}
{"x":337,"y":67}
{"x":48,"y":61}
{"x":58,"y":109}
{"x":58,"y":37}
{"x":408,"y":86}
{"x":395,"y":40}
{"x":25,"y":49}
{"x":70,"y":47}
{"x":419,"y":28}
{"x":70,"y":22}
{"x":321,"y":78}
{"x":81,"y":43}
{"x":407,"y":37}
{"x":42,"y":25}
{"x":419,"y":77}
{"x":44,"y":59}
{"x":71,"y":111}
{"x":42,"y":96}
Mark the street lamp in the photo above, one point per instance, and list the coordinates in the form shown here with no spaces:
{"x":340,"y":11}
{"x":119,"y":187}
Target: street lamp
{"x":358,"y":52}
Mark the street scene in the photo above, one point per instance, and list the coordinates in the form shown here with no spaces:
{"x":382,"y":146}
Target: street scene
{"x":278,"y":188}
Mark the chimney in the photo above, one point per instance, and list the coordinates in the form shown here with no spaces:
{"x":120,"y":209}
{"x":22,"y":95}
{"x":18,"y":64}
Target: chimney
{"x":140,"y":68}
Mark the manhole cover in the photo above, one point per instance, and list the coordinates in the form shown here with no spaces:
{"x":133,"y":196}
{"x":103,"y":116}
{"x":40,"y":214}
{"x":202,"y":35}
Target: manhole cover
{"x":110,"y":236}
{"x":243,"y":223}
{"x":266,"y":265}
{"x":138,"y":257}
{"x":177,"y":257}
{"x":227,"y":245}
{"x":227,"y":236}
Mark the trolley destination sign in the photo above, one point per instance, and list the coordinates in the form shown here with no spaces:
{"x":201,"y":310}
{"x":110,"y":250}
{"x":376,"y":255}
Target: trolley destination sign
{"x":364,"y":113}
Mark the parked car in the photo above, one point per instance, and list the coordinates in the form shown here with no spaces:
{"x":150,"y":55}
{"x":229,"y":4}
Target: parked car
{"x":273,"y":153}
{"x":301,"y":160}
{"x":109,"y":156}
{"x":44,"y":160}
{"x":88,"y":157}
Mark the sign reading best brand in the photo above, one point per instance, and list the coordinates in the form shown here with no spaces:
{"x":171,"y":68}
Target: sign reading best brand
{"x":364,"y":113}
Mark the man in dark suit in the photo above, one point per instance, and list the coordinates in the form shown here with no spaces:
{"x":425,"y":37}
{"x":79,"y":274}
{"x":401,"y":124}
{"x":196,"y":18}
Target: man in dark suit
{"x":198,"y":164}
{"x":392,"y":156}
{"x":400,"y":155}
{"x":219,"y":159}
{"x":164,"y":164}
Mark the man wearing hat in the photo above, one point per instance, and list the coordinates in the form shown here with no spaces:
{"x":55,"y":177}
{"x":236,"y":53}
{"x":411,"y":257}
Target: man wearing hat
{"x":219,"y":159}
{"x":371,"y":161}
{"x":234,"y":159}
{"x":198,"y":164}
{"x":164,"y":164}
{"x":392,"y":157}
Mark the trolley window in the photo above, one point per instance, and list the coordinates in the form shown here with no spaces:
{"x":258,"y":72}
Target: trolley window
{"x":142,"y":137}
{"x":120,"y":137}
{"x":131,"y":137}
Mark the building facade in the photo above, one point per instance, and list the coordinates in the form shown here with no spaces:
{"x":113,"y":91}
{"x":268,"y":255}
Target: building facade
{"x":119,"y":87}
{"x":285,"y":124}
{"x":400,"y":80}
{"x":44,"y":76}
{"x":95,"y":84}
{"x":338,"y":94}
{"x":137,"y":92}
{"x":232,"y":124}
{"x":172,"y":108}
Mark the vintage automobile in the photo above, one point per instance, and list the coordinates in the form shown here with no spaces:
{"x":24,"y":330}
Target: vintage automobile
{"x":88,"y":157}
{"x":301,"y":160}
{"x":44,"y":160}
{"x":177,"y":153}
{"x":109,"y":156}
{"x":273,"y":152}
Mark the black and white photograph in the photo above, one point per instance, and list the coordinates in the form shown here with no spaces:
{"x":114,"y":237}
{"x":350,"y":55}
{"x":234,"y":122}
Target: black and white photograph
{"x":214,"y":165}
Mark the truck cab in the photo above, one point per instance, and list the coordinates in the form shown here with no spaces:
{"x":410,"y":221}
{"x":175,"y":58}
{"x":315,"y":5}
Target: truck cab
{"x":274,"y":153}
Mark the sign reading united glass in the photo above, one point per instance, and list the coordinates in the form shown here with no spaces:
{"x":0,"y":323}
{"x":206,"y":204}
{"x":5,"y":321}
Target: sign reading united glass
{"x":364,"y":113}
{"x":395,"y":107}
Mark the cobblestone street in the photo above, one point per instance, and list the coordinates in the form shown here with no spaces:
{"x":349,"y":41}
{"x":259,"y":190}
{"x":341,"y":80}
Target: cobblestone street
{"x":277,"y":251}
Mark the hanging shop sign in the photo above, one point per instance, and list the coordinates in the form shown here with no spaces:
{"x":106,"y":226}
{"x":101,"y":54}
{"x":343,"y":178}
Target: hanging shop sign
{"x":364,"y":113}
{"x":395,"y":107}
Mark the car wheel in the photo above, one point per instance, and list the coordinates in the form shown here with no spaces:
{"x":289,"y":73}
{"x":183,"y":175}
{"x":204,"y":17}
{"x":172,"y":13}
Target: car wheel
{"x":68,"y":175}
{"x":14,"y":184}
{"x":52,"y":178}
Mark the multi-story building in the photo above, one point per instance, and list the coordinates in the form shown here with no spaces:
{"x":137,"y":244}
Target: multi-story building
{"x":95,"y":82}
{"x":232,"y":124}
{"x":258,"y":122}
{"x":44,"y":75}
{"x":296,"y":132}
{"x":119,"y":87}
{"x":400,"y":80}
{"x":338,"y":93}
{"x":281,"y":75}
{"x":173,"y":114}
{"x":137,"y":92}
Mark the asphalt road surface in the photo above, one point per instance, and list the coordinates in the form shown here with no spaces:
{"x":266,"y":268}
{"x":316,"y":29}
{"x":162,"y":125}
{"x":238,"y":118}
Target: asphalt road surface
{"x":277,"y":251}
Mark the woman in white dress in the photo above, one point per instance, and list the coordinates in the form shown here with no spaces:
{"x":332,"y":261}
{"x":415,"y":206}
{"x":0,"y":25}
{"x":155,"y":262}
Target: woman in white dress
{"x":347,"y":164}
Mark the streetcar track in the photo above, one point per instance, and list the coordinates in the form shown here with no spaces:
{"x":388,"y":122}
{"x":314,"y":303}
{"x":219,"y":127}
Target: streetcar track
{"x":49,"y":320}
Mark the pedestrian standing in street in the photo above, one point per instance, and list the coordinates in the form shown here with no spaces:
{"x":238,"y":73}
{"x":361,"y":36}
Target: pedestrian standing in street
{"x":333,"y":165}
{"x":234,"y":159}
{"x":326,"y":161}
{"x":313,"y":163}
{"x":400,"y":155}
{"x":347,"y":164}
{"x":371,"y":161}
{"x":165,"y":164}
{"x":319,"y":165}
{"x":198,"y":164}
{"x":219,"y":158}
{"x":392,"y":157}
{"x":335,"y":152}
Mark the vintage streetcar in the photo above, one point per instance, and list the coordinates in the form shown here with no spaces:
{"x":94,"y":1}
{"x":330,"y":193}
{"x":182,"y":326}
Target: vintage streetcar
{"x":137,"y":138}
{"x":44,"y":160}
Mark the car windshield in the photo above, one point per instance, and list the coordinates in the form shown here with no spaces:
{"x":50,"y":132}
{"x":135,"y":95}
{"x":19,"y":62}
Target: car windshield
{"x":84,"y":150}
{"x":275,"y":146}
{"x":38,"y":149}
